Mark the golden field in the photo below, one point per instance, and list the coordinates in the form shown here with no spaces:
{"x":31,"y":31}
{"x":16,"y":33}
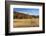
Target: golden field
{"x":34,"y":22}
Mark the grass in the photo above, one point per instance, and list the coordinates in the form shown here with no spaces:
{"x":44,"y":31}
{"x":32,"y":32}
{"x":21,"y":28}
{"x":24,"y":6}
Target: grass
{"x":26,"y":22}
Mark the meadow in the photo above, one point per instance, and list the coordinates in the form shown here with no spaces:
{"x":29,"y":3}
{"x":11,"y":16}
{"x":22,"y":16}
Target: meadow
{"x":26,"y":22}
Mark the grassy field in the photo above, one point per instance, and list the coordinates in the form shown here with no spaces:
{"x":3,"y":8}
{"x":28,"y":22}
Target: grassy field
{"x":26,"y":22}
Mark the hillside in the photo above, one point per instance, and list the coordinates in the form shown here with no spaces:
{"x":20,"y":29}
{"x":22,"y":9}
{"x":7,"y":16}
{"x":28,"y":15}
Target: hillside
{"x":18,"y":15}
{"x":24,"y":20}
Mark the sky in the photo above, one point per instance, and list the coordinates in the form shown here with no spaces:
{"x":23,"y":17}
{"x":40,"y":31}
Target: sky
{"x":29,"y":11}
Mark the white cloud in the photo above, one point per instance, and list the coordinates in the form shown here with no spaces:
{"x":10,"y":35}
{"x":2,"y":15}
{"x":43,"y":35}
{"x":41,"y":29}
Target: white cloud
{"x":27,"y":13}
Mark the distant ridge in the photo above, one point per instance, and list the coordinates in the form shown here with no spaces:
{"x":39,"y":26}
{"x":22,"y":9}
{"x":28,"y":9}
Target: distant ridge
{"x":27,"y":13}
{"x":22,"y":15}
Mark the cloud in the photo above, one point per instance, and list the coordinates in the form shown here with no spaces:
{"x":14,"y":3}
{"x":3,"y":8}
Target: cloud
{"x":28,"y":13}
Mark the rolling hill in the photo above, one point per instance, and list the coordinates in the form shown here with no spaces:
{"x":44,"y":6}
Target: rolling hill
{"x":18,"y":15}
{"x":25,"y":20}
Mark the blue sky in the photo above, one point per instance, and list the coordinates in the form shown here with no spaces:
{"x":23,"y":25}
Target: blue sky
{"x":29,"y":11}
